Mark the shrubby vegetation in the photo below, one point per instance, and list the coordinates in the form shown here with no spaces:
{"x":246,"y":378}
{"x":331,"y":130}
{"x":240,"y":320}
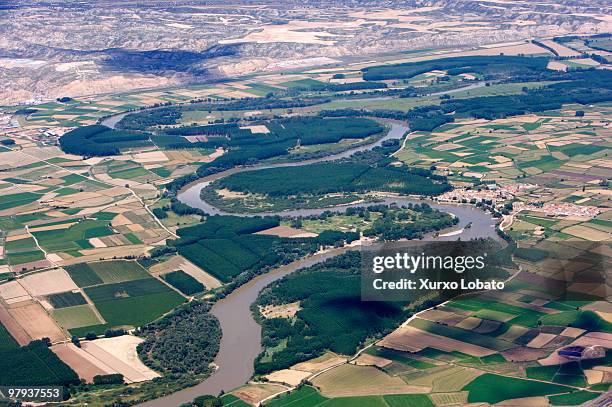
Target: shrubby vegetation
{"x":115,"y":378}
{"x":184,"y":342}
{"x":411,"y":222}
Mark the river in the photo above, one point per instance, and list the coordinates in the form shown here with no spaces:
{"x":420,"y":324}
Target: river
{"x":241,"y":340}
{"x":112,"y":120}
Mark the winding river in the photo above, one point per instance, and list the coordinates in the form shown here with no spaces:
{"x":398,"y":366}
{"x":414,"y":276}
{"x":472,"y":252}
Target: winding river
{"x":241,"y":340}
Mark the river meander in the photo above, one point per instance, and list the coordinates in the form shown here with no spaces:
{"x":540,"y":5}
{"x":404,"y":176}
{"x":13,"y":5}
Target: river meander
{"x":241,"y":340}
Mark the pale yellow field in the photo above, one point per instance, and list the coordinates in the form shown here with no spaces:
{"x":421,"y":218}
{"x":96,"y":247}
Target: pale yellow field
{"x":321,"y":363}
{"x":351,"y":380}
{"x":119,"y":357}
{"x":48,"y":282}
{"x":280,"y":311}
{"x":34,"y":320}
{"x":288,"y":376}
{"x":253,"y":393}
{"x":371,"y":360}
{"x":444,"y":379}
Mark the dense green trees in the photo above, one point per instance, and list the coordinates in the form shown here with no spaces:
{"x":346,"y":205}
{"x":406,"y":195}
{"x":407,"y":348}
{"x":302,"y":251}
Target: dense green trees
{"x":227,"y":247}
{"x":116,"y":378}
{"x":34,"y":365}
{"x":183,"y":282}
{"x":332,"y":315}
{"x":490,"y":67}
{"x":161,"y":116}
{"x":183,"y":342}
{"x":171,"y":114}
{"x":324,"y":178}
{"x":410,"y":223}
{"x":243,"y":147}
{"x":98,"y":140}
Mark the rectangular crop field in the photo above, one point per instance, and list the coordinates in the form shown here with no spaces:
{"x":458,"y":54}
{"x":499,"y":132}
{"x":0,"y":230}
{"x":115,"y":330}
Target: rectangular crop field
{"x":133,"y":303}
{"x":138,"y":311}
{"x":461,"y":335}
{"x":75,"y":317}
{"x":183,"y":282}
{"x":134,"y":288}
{"x":74,"y":238}
{"x":106,"y":272}
{"x":492,"y":388}
{"x":14,"y":200}
{"x":67,"y":299}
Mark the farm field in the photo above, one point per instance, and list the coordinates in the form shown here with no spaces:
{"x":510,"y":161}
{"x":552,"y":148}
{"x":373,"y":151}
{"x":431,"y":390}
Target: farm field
{"x":133,"y":303}
{"x":491,"y":388}
{"x":96,"y":237}
{"x":107,"y":272}
{"x":75,"y":317}
{"x":309,"y":397}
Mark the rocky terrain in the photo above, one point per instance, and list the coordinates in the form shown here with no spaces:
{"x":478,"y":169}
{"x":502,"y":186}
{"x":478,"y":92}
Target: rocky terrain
{"x":51,"y":49}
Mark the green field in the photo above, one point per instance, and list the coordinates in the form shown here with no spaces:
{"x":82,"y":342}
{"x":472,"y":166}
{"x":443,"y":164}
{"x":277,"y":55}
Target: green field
{"x":401,"y":357}
{"x":138,"y":311}
{"x":588,"y":320}
{"x":492,"y":388}
{"x":569,"y":373}
{"x":75,"y":317}
{"x":25,"y":257}
{"x":184,"y":282}
{"x":524,"y":317}
{"x":67,"y":299}
{"x":26,"y":244}
{"x":106,"y":272}
{"x":130,"y":173}
{"x":133,"y":303}
{"x":14,"y":200}
{"x":307,"y":396}
{"x":573,"y":399}
{"x":22,"y":251}
{"x":74,"y":238}
{"x":233,"y":401}
{"x":126,"y":289}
